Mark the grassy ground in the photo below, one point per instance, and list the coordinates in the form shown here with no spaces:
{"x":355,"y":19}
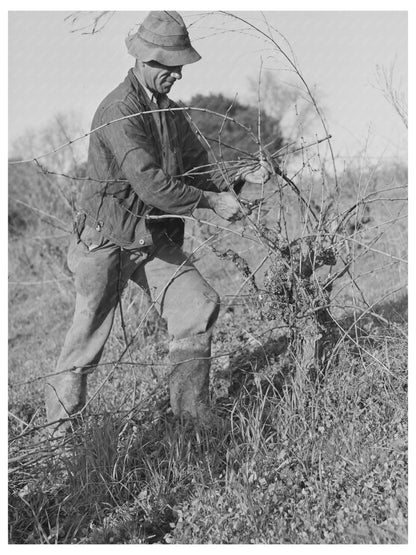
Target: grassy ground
{"x":293,"y":461}
{"x":292,"y":464}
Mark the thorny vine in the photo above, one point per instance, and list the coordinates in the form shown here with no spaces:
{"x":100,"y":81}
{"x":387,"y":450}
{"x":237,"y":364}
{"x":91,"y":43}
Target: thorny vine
{"x":302,"y":268}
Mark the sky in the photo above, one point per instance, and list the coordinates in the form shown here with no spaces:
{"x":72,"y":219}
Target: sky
{"x":53,"y":69}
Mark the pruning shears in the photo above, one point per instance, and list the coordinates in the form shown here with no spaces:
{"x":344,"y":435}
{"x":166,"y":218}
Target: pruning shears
{"x":251,"y":204}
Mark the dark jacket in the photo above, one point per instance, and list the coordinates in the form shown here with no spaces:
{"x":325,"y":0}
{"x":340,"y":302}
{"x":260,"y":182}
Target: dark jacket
{"x":135,"y":166}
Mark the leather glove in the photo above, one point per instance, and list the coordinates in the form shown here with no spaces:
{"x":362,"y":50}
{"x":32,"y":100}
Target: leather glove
{"x":224,"y":204}
{"x":256,"y":173}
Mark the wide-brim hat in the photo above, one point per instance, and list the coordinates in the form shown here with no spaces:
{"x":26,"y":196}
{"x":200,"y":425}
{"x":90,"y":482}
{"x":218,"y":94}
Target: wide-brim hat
{"x":162,"y":37}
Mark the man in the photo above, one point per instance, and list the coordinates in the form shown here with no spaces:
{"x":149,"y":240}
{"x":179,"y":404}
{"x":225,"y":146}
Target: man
{"x":136,"y":162}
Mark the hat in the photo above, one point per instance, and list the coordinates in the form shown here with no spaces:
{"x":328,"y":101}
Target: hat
{"x":162,"y":37}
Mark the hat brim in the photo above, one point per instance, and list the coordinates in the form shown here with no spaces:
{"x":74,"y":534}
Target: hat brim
{"x":166,"y":55}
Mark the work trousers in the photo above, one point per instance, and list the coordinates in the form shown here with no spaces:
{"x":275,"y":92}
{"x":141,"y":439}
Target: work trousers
{"x":182,"y":297}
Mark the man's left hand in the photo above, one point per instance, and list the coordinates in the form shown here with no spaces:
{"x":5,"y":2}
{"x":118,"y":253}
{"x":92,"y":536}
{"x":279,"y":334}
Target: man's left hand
{"x":258,"y":174}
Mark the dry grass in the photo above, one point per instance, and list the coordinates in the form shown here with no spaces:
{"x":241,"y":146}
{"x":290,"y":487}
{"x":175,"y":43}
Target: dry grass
{"x":312,"y":448}
{"x":323,"y":465}
{"x":294,"y":462}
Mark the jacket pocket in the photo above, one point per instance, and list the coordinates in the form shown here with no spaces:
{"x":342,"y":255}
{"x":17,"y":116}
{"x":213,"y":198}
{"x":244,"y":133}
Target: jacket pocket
{"x":92,"y":239}
{"x":123,"y":215}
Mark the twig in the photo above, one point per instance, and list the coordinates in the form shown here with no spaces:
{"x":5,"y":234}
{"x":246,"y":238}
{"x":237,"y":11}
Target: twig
{"x":298,"y":73}
{"x":42,"y":213}
{"x":301,"y":148}
{"x":374,"y":250}
{"x":346,"y":332}
{"x":123,"y":118}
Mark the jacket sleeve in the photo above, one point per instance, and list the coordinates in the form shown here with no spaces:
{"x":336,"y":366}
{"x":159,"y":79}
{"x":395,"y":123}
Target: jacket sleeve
{"x":138,"y":161}
{"x":196,"y":160}
{"x":195,"y":156}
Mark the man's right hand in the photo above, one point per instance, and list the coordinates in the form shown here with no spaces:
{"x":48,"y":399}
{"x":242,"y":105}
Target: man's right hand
{"x":224,"y":204}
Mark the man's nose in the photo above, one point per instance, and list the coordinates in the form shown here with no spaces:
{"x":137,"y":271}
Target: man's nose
{"x":177,"y":73}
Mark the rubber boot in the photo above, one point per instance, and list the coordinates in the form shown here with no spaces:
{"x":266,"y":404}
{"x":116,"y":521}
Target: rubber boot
{"x":189,"y":380}
{"x":65,"y":395}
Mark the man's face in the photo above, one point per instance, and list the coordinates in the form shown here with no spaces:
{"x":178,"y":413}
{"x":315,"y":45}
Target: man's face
{"x":159,"y":78}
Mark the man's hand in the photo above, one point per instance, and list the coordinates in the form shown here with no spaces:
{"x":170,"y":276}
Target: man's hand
{"x":257,"y":174}
{"x":223,"y":204}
